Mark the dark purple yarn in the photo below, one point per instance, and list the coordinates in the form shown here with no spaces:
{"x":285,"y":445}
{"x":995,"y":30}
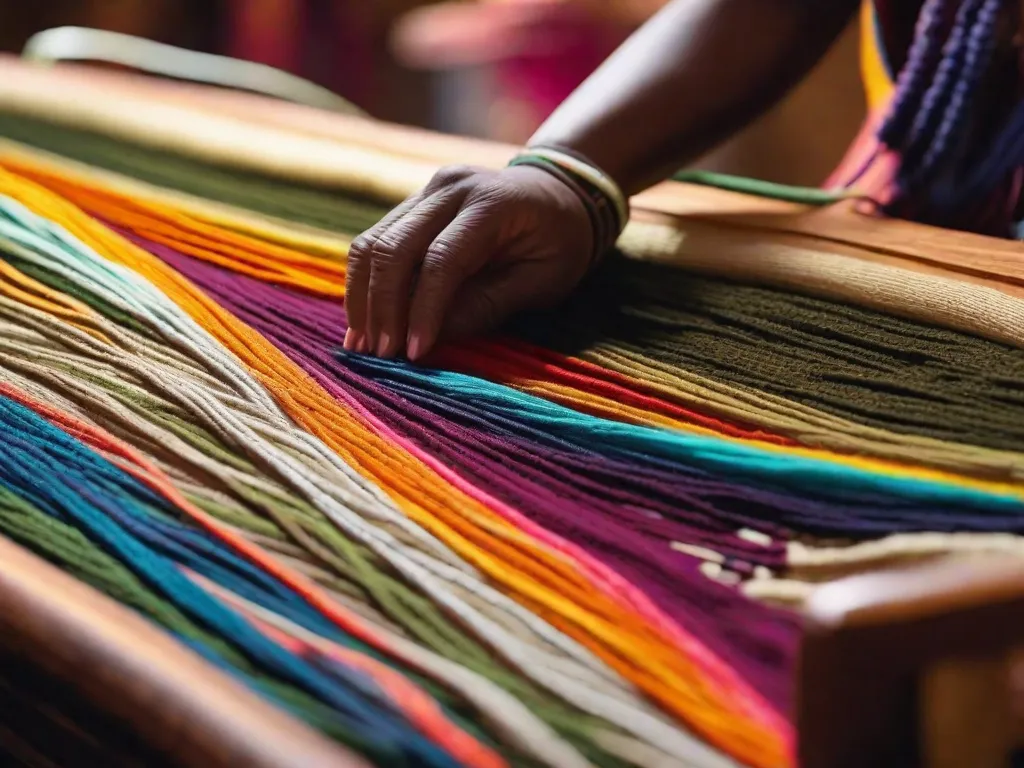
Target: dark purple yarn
{"x":624,"y":507}
{"x":798,"y":508}
{"x":915,"y":75}
{"x":950,"y":133}
{"x":938,"y":93}
{"x":628,"y":523}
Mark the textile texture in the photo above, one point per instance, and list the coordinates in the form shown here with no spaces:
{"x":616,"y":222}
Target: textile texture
{"x":584,"y":542}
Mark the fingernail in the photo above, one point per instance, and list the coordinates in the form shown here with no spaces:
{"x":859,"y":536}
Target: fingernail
{"x":350,"y":340}
{"x":362,"y":347}
{"x":383,"y":344}
{"x":413,"y":346}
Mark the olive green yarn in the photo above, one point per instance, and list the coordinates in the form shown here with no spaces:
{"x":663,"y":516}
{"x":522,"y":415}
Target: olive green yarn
{"x":76,"y":554}
{"x":304,"y":204}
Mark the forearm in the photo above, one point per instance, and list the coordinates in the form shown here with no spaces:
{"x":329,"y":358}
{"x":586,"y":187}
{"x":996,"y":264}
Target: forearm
{"x":694,"y":74}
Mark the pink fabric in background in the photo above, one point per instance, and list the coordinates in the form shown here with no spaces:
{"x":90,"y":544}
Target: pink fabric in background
{"x":557,"y":56}
{"x":535,"y":52}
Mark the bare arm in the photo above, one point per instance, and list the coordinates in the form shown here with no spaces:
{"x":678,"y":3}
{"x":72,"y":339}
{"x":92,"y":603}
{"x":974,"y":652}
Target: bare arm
{"x":476,"y":246}
{"x":698,"y":71}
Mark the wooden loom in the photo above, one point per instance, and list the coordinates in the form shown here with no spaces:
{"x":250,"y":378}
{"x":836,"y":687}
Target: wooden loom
{"x":908,"y":667}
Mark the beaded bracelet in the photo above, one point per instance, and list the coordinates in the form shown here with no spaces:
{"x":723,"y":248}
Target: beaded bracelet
{"x":599,"y":198}
{"x":601,"y":224}
{"x":579,"y":165}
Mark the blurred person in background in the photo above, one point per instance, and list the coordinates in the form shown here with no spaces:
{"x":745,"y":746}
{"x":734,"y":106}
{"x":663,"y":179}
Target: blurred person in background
{"x":491,"y":68}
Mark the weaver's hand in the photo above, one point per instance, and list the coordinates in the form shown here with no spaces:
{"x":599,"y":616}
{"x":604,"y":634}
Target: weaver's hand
{"x":461,"y":256}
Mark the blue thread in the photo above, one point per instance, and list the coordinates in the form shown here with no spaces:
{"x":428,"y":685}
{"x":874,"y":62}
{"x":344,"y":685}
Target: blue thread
{"x":821,"y":477}
{"x":31,"y":445}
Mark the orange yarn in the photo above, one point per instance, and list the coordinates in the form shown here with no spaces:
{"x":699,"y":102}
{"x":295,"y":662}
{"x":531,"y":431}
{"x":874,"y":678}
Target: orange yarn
{"x":162,"y":224}
{"x":23,"y":289}
{"x":545,"y":581}
{"x":420,"y":708}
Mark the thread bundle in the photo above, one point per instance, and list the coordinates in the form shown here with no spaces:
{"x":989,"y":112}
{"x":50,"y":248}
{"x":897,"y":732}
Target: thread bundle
{"x":536,"y":550}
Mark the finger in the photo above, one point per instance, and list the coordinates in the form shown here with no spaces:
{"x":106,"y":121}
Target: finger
{"x":357,"y":274}
{"x":445,"y":177}
{"x":396,"y":256}
{"x":458,"y":252}
{"x":488,"y":299}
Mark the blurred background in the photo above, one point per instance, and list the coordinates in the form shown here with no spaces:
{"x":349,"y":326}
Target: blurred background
{"x":487,"y":68}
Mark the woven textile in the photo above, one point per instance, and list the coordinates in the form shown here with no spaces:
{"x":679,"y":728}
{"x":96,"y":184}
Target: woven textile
{"x":582,"y":543}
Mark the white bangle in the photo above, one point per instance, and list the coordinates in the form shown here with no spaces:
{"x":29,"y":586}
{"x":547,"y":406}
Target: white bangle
{"x":592,"y":174}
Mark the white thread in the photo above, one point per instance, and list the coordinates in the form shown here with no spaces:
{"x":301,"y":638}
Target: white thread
{"x":558,"y":675}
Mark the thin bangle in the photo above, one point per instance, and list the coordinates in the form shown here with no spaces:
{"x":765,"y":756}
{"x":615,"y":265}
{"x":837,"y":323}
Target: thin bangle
{"x":582,"y":167}
{"x":602,"y":228}
{"x":610,"y":218}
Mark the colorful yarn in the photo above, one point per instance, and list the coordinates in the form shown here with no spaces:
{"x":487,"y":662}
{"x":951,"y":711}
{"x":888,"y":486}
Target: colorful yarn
{"x":529,"y":468}
{"x":545,"y":678}
{"x":87,"y":500}
{"x":582,"y":544}
{"x":199,"y":516}
{"x":786,"y":192}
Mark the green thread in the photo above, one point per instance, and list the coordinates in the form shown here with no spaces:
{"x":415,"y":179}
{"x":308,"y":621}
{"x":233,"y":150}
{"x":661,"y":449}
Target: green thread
{"x":759,"y":188}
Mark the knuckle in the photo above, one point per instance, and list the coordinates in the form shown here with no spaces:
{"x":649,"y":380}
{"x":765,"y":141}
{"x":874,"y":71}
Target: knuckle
{"x":389,"y":269}
{"x":441,"y":256}
{"x":453,"y":174}
{"x":449,"y":175}
{"x":360,"y":249}
{"x":389,"y":249}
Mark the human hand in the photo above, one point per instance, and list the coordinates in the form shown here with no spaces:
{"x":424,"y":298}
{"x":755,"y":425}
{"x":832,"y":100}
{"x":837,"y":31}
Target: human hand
{"x":471,"y":249}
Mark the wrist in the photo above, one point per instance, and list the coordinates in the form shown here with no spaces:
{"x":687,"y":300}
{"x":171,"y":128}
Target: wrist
{"x":583,"y":167}
{"x":606,"y":205}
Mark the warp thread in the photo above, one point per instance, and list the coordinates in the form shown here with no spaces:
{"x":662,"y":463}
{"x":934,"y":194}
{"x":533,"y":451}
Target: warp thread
{"x":327,"y":458}
{"x":156,"y":303}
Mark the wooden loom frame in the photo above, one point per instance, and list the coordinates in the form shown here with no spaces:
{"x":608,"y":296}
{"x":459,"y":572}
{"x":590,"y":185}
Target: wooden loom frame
{"x":873,"y":647}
